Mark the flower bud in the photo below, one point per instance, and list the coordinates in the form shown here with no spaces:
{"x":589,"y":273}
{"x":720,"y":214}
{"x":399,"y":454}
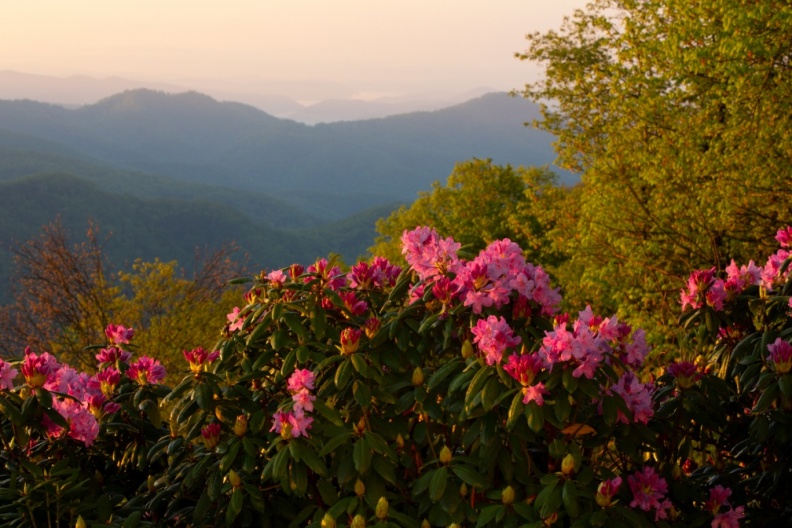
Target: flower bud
{"x":463,"y":491}
{"x":360,"y":488}
{"x":240,"y":425}
{"x":445,"y":455}
{"x":328,"y":521}
{"x":425,"y":524}
{"x":360,"y":427}
{"x":80,"y":522}
{"x":507,"y":496}
{"x":568,"y":465}
{"x":381,"y":511}
{"x":550,"y":519}
{"x":358,"y":522}
{"x":234,"y":478}
{"x":150,"y":480}
{"x":417,"y":377}
{"x":606,"y":491}
{"x":399,"y":442}
{"x":467,"y":349}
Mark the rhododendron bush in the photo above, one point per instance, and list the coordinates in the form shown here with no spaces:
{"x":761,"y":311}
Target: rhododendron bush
{"x":452,"y":392}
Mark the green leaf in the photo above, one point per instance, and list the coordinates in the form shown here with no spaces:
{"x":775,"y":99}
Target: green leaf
{"x":490,"y":393}
{"x":470,"y":476}
{"x":334,"y":443}
{"x":328,"y":413}
{"x":10,"y":410}
{"x":766,"y":399}
{"x":361,"y":455}
{"x":295,"y":324}
{"x":204,"y":396}
{"x":343,"y":373}
{"x":478,"y":381}
{"x":228,"y":459}
{"x":535,"y":415}
{"x":360,"y":364}
{"x":318,"y":322}
{"x":234,"y":506}
{"x":515,"y":410}
{"x":437,"y":484}
{"x":569,"y":497}
{"x":443,"y":372}
{"x":488,"y":514}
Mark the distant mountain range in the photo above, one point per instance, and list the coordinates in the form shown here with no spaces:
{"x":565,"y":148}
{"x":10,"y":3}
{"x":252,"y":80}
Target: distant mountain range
{"x":308,"y":102}
{"x":168,"y":173}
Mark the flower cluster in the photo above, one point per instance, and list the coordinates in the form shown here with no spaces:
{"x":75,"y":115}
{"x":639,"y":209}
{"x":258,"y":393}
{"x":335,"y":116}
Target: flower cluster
{"x":705,"y":288}
{"x":493,"y":337}
{"x":199,"y":359}
{"x":296,"y":423}
{"x":718,"y":498}
{"x":649,"y":492}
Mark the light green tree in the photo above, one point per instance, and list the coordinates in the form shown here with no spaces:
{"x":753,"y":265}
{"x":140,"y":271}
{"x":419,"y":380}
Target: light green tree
{"x":482,"y":202}
{"x":678,"y":114}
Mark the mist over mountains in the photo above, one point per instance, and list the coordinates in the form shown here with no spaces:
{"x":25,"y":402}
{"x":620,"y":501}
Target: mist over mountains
{"x":169,"y":173}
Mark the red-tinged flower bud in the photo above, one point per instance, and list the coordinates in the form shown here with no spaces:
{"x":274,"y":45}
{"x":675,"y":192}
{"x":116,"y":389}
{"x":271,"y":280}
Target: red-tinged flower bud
{"x":551,"y":519}
{"x":372,"y":327}
{"x":241,"y":425}
{"x":350,"y":341}
{"x":360,"y":488}
{"x":358,"y":522}
{"x":328,"y":521}
{"x":417,"y":377}
{"x":568,"y":465}
{"x":606,"y":491}
{"x":507,"y":496}
{"x":211,"y":435}
{"x":295,"y":270}
{"x":445,"y":456}
{"x":381,"y":511}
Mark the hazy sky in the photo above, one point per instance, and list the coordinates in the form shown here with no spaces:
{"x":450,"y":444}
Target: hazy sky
{"x":371,"y":46}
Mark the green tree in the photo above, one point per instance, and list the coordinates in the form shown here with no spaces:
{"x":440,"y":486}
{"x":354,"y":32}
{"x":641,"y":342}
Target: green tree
{"x":480,"y":203}
{"x":679,"y":116}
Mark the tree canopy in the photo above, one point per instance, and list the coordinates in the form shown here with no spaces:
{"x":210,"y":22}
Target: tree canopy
{"x":678,"y":115}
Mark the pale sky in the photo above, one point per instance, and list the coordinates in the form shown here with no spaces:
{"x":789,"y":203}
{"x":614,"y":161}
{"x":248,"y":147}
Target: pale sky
{"x":370,"y":46}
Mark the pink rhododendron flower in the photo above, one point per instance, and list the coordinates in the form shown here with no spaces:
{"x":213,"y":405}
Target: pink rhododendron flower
{"x":771,"y":274}
{"x":698,"y":285}
{"x":718,"y":496}
{"x":649,"y":490}
{"x":301,"y":379}
{"x":378,"y":274}
{"x":7,"y":375}
{"x":781,"y":356}
{"x":729,"y":519}
{"x":637,"y":396}
{"x":199,"y":358}
{"x":332,"y":277}
{"x":67,"y":380}
{"x":277,"y":278}
{"x":303,"y":400}
{"x":112,"y":355}
{"x":295,"y":270}
{"x":444,"y":290}
{"x":352,"y":303}
{"x":784,"y":236}
{"x":524,"y":367}
{"x":493,"y":337}
{"x":36,"y":369}
{"x":234,"y":320}
{"x":108,"y":380}
{"x":535,"y":393}
{"x":428,"y":254}
{"x":291,"y":425}
{"x":119,"y":335}
{"x":146,"y":370}
{"x":387,"y":273}
{"x":686,"y":373}
{"x":82,"y":423}
{"x":211,"y":435}
{"x":606,"y":491}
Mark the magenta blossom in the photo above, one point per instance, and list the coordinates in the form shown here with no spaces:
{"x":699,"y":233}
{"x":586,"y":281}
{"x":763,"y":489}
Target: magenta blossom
{"x":493,"y":337}
{"x":729,"y":519}
{"x":303,"y":401}
{"x":199,"y":359}
{"x":699,"y":283}
{"x":211,"y":435}
{"x":535,"y":393}
{"x":428,"y":254}
{"x":301,"y":379}
{"x":108,"y":380}
{"x":637,"y":396}
{"x":649,"y":492}
{"x":36,"y":369}
{"x":7,"y":375}
{"x":82,"y":423}
{"x":112,"y":355}
{"x":354,"y":305}
{"x":784,"y":236}
{"x":606,"y":491}
{"x":119,"y":335}
{"x":291,"y":425}
{"x":685,"y":373}
{"x":235,"y":322}
{"x":524,"y":367}
{"x":781,"y":356}
{"x":146,"y":370}
{"x":277,"y":278}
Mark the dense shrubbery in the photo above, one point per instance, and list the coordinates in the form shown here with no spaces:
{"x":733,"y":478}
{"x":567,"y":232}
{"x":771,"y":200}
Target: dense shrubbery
{"x":448,"y":393}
